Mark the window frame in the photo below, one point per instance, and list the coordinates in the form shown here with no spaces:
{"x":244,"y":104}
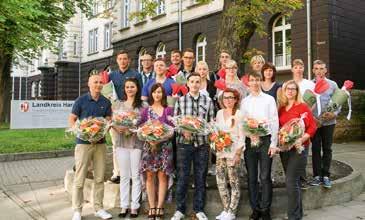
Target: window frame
{"x":161,"y":7}
{"x":160,"y":50}
{"x":125,"y":10}
{"x":93,"y":41}
{"x":200,"y":44}
{"x":107,"y":35}
{"x":283,"y":28}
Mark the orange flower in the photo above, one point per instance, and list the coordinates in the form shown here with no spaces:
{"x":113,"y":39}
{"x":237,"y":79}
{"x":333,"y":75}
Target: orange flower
{"x":252,"y":123}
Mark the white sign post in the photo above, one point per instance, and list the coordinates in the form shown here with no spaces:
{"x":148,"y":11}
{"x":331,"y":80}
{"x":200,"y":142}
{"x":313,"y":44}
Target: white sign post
{"x":26,"y":114}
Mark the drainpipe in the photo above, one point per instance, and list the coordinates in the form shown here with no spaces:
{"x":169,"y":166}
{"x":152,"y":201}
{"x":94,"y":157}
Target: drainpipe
{"x":180,"y":22}
{"x":309,"y":41}
{"x":80,"y":52}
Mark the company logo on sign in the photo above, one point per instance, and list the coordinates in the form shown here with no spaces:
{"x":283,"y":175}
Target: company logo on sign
{"x":24,"y":106}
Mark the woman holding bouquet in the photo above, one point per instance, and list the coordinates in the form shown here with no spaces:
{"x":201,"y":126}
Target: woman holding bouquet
{"x":128,"y":149}
{"x":291,"y":106}
{"x":228,"y":161}
{"x":157,"y":157}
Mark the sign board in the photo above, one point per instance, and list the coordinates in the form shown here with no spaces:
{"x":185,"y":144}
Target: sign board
{"x":27,"y":114}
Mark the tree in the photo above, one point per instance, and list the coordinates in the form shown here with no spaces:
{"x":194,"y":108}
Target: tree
{"x":27,"y":27}
{"x":243,"y":18}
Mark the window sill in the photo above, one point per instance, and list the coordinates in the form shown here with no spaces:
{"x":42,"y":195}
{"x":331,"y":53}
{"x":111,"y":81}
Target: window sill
{"x":106,"y":49}
{"x":139,"y":23}
{"x":158,"y":16}
{"x":193,"y":5}
{"x":93,"y":53}
{"x":283,"y":68}
{"x":124,"y":28}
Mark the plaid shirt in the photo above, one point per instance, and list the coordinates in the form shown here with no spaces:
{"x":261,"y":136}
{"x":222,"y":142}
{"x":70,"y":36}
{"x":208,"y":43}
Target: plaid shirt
{"x":202,"y":106}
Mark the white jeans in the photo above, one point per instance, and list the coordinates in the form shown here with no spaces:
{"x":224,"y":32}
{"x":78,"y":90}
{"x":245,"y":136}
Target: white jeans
{"x":128,"y":160}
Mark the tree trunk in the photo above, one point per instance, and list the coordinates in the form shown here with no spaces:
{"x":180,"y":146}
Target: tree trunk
{"x":228,"y":40}
{"x":5,"y":86}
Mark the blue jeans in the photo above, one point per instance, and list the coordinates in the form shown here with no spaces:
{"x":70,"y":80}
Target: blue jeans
{"x":295,"y":163}
{"x":187,"y":153}
{"x":253,"y":157}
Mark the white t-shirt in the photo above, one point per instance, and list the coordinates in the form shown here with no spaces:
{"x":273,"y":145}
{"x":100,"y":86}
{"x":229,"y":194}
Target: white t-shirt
{"x":304,"y":85}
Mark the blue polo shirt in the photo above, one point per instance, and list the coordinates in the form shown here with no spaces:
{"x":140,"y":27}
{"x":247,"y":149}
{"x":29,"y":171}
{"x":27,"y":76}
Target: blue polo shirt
{"x":118,"y":77}
{"x":166,"y":85}
{"x":85,"y":106}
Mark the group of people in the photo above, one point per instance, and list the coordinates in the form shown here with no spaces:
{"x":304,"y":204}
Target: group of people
{"x":138,"y":166}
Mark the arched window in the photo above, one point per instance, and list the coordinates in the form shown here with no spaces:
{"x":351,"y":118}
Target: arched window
{"x":281,"y":42}
{"x":40,"y":88}
{"x":34,"y":87}
{"x":141,"y":52}
{"x":201,"y":43}
{"x":161,"y":50}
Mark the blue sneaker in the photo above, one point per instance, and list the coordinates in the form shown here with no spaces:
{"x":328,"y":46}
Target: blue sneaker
{"x":327,"y":182}
{"x":316,"y":181}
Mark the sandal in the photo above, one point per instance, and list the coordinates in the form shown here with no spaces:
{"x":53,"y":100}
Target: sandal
{"x":160,"y":213}
{"x":123,"y":214}
{"x":152,"y":214}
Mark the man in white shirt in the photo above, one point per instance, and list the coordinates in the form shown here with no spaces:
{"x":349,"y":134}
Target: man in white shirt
{"x":260,"y":106}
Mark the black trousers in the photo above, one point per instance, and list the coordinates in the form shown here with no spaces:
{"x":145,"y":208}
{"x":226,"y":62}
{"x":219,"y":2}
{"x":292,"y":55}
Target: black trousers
{"x":253,"y":157}
{"x":322,"y":143}
{"x":294,"y":163}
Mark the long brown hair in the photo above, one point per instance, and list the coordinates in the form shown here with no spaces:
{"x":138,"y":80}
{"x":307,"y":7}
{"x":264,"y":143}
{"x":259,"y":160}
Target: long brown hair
{"x":236,"y":94}
{"x":164,"y":97}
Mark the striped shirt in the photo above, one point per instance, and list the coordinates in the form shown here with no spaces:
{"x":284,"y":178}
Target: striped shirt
{"x":201,"y":106}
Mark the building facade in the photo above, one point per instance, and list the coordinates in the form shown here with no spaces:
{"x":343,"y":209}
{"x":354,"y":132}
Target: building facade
{"x":336,"y":31}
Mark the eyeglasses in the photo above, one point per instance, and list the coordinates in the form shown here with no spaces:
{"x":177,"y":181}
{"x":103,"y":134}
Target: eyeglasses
{"x":231,"y":68}
{"x":291,"y":89}
{"x":229,"y":97}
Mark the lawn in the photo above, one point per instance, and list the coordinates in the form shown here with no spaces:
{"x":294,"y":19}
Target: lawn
{"x":34,"y":140}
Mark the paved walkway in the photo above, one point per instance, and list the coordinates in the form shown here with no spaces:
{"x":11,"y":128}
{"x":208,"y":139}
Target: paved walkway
{"x":33,"y":189}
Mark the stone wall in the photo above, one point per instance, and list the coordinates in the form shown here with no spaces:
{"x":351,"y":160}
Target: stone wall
{"x":353,"y":129}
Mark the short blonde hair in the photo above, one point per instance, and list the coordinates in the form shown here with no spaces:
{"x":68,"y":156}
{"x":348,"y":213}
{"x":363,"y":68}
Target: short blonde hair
{"x":257,"y":58}
{"x":202,"y":63}
{"x":231,"y":63}
{"x":297,"y":62}
{"x":283,"y":100}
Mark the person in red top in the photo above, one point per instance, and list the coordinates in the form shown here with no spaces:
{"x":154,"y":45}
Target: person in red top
{"x":291,"y":106}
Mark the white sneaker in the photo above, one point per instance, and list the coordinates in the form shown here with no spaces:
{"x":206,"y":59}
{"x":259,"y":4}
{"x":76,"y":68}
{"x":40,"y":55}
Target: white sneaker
{"x":201,"y":216}
{"x":103,"y":214}
{"x":229,"y":216}
{"x":76,"y":216}
{"x":178,"y":216}
{"x":220,"y":216}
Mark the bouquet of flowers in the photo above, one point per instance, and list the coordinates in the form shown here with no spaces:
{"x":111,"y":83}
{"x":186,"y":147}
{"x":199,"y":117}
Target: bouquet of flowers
{"x":90,"y":129}
{"x":192,"y":124}
{"x":109,"y":91}
{"x":220,"y":141}
{"x":290,"y":133}
{"x":339,"y":97}
{"x":255,"y":129}
{"x":312,"y":97}
{"x":154,"y":131}
{"x":128,"y":120}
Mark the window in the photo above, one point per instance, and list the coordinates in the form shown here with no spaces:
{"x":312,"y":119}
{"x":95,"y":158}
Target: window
{"x":40,"y":88}
{"x":33,"y":88}
{"x":160,"y":9}
{"x":108,"y":4}
{"x":107,"y":35}
{"x":93,"y":40}
{"x":201,"y":43}
{"x":161,"y":50}
{"x":95,"y":7}
{"x":281,"y":42}
{"x":74,"y":45}
{"x":125,"y":12}
{"x":142,"y":52}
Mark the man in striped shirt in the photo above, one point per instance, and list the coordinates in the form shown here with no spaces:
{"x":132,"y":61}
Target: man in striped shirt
{"x":192,"y":148}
